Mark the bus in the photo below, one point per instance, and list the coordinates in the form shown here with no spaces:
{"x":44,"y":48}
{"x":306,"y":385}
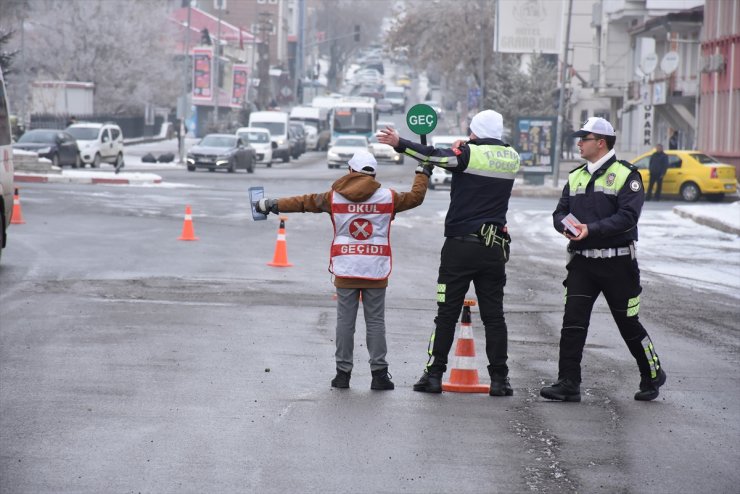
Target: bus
{"x":354,"y":116}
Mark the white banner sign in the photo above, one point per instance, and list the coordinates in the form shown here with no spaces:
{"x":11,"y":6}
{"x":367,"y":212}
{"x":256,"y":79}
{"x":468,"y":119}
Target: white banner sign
{"x":527,"y":26}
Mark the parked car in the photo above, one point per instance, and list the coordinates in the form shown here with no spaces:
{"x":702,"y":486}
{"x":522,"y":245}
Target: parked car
{"x":440,"y":176}
{"x":691,"y":174}
{"x":6,"y":166}
{"x":99,"y":143}
{"x":384,"y":153}
{"x":221,"y":152}
{"x":260,"y":140}
{"x":342,"y":150}
{"x":403,"y":80}
{"x":299,"y":138}
{"x":384,"y":106}
{"x":57,"y":146}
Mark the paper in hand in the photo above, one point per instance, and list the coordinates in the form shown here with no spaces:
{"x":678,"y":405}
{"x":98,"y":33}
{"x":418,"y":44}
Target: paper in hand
{"x":570,"y":223}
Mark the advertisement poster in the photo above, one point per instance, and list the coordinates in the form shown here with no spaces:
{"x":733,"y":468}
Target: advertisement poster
{"x":239,"y":85}
{"x":202,"y":74}
{"x":527,"y":26}
{"x":536,"y":144}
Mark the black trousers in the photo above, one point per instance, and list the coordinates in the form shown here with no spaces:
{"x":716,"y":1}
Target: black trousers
{"x":462,"y":263}
{"x":654,"y":180}
{"x":618,"y":278}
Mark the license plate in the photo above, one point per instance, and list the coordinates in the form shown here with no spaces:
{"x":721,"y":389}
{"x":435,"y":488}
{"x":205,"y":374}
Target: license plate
{"x":728,"y":187}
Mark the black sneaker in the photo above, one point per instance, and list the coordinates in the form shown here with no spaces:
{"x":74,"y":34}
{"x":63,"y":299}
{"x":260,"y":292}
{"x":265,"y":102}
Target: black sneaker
{"x":500,"y":387}
{"x":563,"y":390}
{"x":382,"y":380}
{"x":341,"y":380}
{"x":649,"y":387}
{"x":429,"y":383}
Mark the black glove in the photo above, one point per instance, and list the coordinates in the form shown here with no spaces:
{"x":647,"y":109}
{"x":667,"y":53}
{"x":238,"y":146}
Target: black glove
{"x":267,"y":206}
{"x":425,"y":169}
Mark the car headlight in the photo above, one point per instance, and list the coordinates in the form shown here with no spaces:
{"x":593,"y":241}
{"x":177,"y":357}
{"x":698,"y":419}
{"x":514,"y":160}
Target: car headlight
{"x":43,"y":150}
{"x":280,"y":142}
{"x":332,"y":155}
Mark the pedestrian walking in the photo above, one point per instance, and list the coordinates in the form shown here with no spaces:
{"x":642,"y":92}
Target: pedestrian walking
{"x":602,"y":202}
{"x":476,"y":246}
{"x":360,"y":257}
{"x":658,"y":167}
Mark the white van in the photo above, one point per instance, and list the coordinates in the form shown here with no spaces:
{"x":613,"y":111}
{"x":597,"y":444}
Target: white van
{"x":316,"y":121}
{"x":6,"y":167}
{"x":277,"y":123}
{"x":260,"y":140}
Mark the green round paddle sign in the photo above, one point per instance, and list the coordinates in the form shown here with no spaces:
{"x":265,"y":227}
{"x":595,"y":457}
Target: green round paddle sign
{"x":421,"y":119}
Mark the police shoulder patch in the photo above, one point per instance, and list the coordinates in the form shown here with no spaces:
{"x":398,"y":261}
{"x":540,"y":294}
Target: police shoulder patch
{"x":635,"y":185}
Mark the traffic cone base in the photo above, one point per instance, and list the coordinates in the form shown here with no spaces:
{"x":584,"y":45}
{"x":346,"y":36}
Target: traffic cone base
{"x":463,"y":373}
{"x":17,"y":216}
{"x":280,"y":258}
{"x":188,"y":232}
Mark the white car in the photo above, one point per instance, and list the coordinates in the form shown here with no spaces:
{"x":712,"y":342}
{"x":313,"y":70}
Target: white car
{"x":261,"y":141}
{"x":7,"y":189}
{"x":312,"y":136}
{"x":342,"y":150}
{"x":98,"y":143}
{"x":440,"y":176}
{"x":384,"y":152}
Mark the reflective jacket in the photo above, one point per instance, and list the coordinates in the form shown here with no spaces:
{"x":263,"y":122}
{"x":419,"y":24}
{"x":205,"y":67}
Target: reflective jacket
{"x":483,"y":172}
{"x":362,"y":236}
{"x":609,"y":202}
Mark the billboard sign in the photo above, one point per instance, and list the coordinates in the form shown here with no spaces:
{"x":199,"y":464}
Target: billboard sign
{"x":535,"y":143}
{"x":239,"y":85}
{"x":527,"y":26}
{"x":202,"y":74}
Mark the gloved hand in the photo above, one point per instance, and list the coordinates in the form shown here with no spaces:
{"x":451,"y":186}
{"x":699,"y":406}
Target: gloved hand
{"x":267,"y":206}
{"x":425,"y":169}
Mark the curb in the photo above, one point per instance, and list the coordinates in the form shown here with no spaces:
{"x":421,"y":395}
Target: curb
{"x":120,"y":180}
{"x":707,"y":221}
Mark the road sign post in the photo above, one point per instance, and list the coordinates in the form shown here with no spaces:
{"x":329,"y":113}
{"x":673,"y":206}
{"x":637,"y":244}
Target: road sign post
{"x":421,"y":119}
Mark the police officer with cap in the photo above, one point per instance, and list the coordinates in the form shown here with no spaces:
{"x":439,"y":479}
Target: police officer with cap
{"x":601,"y":203}
{"x":476,"y":244}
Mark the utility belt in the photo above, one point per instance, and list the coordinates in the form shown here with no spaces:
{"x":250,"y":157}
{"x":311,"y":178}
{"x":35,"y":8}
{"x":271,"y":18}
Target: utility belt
{"x":489,"y":235}
{"x":629,"y":250}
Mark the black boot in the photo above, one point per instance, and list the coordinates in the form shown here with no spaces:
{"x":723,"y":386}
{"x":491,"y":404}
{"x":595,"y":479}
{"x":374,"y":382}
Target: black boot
{"x":563,"y":390}
{"x":341,"y":380}
{"x":381,"y":380}
{"x":500,"y":386}
{"x":430,"y":382}
{"x":649,"y":386}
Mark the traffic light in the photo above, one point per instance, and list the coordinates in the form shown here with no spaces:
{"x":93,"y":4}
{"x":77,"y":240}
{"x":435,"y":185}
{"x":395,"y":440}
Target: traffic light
{"x":357,"y":32}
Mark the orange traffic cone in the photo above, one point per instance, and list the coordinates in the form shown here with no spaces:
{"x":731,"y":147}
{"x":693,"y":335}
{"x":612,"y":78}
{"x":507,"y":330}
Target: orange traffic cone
{"x":17,"y":216}
{"x":188,"y":233}
{"x":464,"y":374}
{"x":280,"y":259}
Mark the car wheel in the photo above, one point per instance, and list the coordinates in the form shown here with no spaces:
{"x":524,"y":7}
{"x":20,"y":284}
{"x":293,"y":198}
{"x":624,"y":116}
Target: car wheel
{"x":55,"y":160}
{"x":211,"y":169}
{"x":119,"y":161}
{"x":431,"y":185}
{"x":690,"y":192}
{"x":96,"y":161}
{"x":286,"y":158}
{"x":191,"y":168}
{"x":78,"y":162}
{"x":232,"y":167}
{"x":269,"y":164}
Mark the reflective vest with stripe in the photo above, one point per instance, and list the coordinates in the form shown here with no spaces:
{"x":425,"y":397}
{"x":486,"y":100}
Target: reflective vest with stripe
{"x":609,"y":183}
{"x":493,"y":161}
{"x":361,"y":247}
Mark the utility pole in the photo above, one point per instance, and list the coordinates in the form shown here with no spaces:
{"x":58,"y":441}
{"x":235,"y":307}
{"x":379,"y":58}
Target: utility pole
{"x":299,"y":50}
{"x":561,"y":101}
{"x":216,"y":59}
{"x":263,"y":57}
{"x":184,"y":113}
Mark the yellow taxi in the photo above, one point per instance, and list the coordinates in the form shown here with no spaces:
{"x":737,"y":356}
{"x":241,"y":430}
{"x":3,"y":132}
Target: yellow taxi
{"x":403,"y":80}
{"x":691,"y":174}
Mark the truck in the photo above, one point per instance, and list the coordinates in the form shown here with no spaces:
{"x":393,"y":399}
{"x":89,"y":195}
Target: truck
{"x":277,"y":123}
{"x":318,"y":119}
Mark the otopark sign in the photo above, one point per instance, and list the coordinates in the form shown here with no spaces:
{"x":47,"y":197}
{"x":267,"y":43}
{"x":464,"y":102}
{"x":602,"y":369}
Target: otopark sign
{"x":421,"y":119}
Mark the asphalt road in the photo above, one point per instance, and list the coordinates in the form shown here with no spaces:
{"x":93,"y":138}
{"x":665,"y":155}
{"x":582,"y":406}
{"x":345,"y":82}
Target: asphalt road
{"x":134,"y":362}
